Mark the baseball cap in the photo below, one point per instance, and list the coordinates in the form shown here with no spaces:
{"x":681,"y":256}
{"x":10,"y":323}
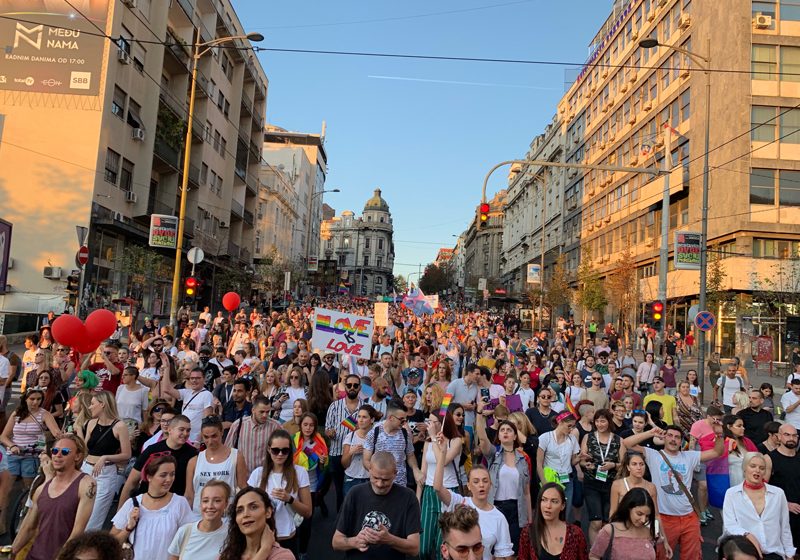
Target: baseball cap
{"x":414,"y":372}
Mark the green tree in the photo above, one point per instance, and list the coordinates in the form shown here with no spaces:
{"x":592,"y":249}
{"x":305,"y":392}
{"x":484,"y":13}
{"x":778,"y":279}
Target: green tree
{"x":591,"y":290}
{"x":557,"y":291}
{"x":434,"y":280}
{"x":400,"y":284}
{"x":623,"y":288}
{"x":142,"y":267}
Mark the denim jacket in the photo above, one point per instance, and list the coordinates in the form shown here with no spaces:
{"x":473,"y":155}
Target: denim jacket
{"x":495,"y":463}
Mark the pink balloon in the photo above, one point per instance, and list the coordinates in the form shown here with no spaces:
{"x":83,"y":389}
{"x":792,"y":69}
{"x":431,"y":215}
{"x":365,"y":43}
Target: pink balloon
{"x":68,"y":330}
{"x":231,"y":301}
{"x":100,"y":324}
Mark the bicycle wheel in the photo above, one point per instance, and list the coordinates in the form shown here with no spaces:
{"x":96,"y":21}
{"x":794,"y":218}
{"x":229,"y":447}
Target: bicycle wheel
{"x":17,"y":513}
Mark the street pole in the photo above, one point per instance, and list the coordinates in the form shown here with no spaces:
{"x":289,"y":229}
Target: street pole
{"x":664,"y":257}
{"x":541,"y":257}
{"x":701,"y":339}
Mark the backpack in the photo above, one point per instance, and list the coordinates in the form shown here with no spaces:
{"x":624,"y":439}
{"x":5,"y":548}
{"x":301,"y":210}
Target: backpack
{"x":375,"y":437}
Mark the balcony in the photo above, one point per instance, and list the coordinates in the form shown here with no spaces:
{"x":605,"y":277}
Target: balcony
{"x":176,"y":55}
{"x":248,"y":217}
{"x":258,"y":122}
{"x":188,"y":8}
{"x":252,"y":184}
{"x":255,"y":152}
{"x":194,"y":176}
{"x":233,"y":250}
{"x":245,"y":256}
{"x":179,"y":109}
{"x":237,"y":209}
{"x":247,"y":103}
{"x":168,"y":156}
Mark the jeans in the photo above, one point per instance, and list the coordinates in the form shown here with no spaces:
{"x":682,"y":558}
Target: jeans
{"x":509,"y":510}
{"x":350,"y":482}
{"x":569,"y":490}
{"x":336,"y":475}
{"x":107,"y":485}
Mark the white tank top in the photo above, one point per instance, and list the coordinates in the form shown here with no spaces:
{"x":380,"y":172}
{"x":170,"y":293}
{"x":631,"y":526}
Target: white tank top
{"x":205,"y":472}
{"x":450,"y":478}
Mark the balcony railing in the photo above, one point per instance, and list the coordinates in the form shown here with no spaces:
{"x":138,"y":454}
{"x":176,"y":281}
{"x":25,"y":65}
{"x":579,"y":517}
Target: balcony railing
{"x":166,"y":152}
{"x":233,"y":250}
{"x":237,"y":209}
{"x":248,"y":217}
{"x":247,"y":103}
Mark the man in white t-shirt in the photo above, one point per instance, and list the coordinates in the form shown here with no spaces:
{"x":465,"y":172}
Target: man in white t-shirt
{"x":197,"y":401}
{"x":679,"y":521}
{"x":790,"y":401}
{"x":730,"y":383}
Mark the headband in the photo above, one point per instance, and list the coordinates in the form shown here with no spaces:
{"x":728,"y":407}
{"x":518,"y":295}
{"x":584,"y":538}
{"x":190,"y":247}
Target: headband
{"x":564,"y":416}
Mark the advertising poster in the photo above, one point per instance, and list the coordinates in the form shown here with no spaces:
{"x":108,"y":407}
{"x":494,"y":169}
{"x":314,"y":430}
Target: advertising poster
{"x":163,"y":231}
{"x":342,"y":333}
{"x":534,"y":275}
{"x":313,"y":264}
{"x":687,"y":250}
{"x":5,"y":254}
{"x":51,"y":47}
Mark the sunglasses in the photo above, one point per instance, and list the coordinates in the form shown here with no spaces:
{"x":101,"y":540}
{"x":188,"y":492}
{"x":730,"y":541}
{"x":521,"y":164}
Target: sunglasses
{"x":63,"y":451}
{"x":462,"y":550}
{"x":352,"y":385}
{"x":597,"y":378}
{"x":280,"y":450}
{"x":62,"y":350}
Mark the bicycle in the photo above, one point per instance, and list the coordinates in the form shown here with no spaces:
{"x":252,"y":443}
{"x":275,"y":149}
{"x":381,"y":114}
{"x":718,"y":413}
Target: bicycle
{"x":20,"y":505}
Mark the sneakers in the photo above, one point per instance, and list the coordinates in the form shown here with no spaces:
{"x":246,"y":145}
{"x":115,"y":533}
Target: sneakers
{"x":709,"y":515}
{"x":703,"y":519}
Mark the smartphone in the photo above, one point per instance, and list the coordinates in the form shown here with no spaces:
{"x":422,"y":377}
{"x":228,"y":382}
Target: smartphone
{"x":485,"y":394}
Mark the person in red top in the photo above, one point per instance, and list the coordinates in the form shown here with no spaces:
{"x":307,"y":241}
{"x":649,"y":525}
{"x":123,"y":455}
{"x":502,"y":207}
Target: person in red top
{"x":106,"y":366}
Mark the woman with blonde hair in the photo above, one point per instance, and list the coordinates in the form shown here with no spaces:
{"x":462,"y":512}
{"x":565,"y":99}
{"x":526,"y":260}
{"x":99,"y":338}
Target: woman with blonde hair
{"x":442,"y":375}
{"x":108,"y":445}
{"x":432,"y":398}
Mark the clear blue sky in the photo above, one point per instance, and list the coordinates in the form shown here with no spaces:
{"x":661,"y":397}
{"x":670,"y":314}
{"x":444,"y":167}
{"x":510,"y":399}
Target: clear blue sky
{"x":425,"y":141}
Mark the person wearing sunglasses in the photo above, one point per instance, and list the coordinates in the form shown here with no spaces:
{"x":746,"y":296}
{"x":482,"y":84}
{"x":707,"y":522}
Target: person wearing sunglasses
{"x":288,"y":486}
{"x":461,"y":534}
{"x":60,"y":509}
{"x":392,"y":435}
{"x":106,"y":366}
{"x":340,"y":410}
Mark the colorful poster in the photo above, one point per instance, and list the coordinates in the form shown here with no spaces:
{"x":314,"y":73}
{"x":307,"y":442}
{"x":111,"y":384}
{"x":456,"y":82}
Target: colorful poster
{"x":382,"y":314}
{"x":52,"y":47}
{"x":342,"y":333}
{"x":163,"y":231}
{"x":534,"y":275}
{"x":687,"y":250}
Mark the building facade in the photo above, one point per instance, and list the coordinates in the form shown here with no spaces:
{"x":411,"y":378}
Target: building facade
{"x":363,"y":248}
{"x":482,"y":248}
{"x":113,"y":157}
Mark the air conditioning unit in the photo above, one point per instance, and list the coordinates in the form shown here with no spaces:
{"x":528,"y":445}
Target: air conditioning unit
{"x":762,"y":21}
{"x":634,"y":160}
{"x":604,"y":109}
{"x":611,"y":138}
{"x":647,"y":105}
{"x":632,"y":79}
{"x":572,"y":205}
{"x":659,"y":144}
{"x":602,"y":145}
{"x":604,"y":73}
{"x":576,"y":139}
{"x":662,"y":3}
{"x":590,"y":227}
{"x":138,"y":134}
{"x":571,"y":173}
{"x":52,"y":272}
{"x":686,"y":21}
{"x":129,"y":3}
{"x":123,"y":56}
{"x":118,"y":217}
{"x":130,"y":196}
{"x":608,"y":219}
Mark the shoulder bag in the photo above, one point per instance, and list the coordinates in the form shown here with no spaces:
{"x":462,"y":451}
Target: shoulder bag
{"x":607,"y":553}
{"x":681,"y":485}
{"x":127,"y":546}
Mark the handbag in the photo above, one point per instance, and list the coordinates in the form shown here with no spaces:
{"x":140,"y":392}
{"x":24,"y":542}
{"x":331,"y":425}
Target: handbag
{"x":127,"y":546}
{"x":681,"y":485}
{"x":607,"y":553}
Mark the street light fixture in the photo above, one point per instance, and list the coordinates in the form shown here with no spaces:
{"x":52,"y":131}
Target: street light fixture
{"x":200,"y":49}
{"x":704,"y":62}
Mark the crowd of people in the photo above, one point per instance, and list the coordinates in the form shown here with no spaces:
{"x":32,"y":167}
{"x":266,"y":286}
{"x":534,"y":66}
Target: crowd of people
{"x":458,"y":437}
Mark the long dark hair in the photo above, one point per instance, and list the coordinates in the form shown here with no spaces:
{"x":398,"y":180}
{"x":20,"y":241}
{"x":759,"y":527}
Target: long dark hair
{"x":22,"y":411}
{"x":288,"y":475}
{"x":537,"y":528}
{"x":635,"y":497}
{"x":727,"y":421}
{"x":654,"y":408}
{"x":236,"y":542}
{"x":319,"y":393}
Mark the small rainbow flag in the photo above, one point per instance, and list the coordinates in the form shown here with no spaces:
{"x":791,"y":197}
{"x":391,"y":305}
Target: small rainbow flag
{"x":569,"y":406}
{"x":349,"y":423}
{"x":445,"y":404}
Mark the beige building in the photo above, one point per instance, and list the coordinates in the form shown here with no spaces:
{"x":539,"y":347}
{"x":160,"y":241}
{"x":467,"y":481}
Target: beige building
{"x":627,"y":98}
{"x":482,"y":249}
{"x":363,"y":248}
{"x":104,"y":150}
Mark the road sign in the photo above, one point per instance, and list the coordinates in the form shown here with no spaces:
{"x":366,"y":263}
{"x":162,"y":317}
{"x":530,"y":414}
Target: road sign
{"x":82,"y":257}
{"x":195,"y":255}
{"x":705,"y":321}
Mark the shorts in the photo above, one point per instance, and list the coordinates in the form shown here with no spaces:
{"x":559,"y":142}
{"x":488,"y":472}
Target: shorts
{"x":700,"y":473}
{"x":3,"y":459}
{"x":26,"y":467}
{"x":597,"y":498}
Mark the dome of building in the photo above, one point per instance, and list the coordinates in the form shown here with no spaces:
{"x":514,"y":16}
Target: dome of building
{"x":376,"y":203}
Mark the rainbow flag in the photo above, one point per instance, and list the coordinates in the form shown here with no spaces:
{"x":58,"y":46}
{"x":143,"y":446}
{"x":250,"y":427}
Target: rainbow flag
{"x":445,"y":404}
{"x":349,"y":423}
{"x":569,"y":406}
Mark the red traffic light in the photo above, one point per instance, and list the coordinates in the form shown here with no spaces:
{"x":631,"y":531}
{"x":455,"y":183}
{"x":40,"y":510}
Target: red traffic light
{"x":484,"y":208}
{"x":658,"y":307}
{"x":191,"y":284}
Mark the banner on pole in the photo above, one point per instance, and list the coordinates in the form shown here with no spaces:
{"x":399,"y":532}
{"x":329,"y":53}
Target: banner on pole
{"x":342,"y":333}
{"x":534,"y":274}
{"x":163,"y":231}
{"x":687,"y":250}
{"x":381,"y":314}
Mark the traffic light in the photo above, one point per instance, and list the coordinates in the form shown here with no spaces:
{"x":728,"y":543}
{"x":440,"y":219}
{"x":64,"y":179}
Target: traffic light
{"x":657,"y":313}
{"x":192,"y":286}
{"x":483,"y":214}
{"x":73,"y":286}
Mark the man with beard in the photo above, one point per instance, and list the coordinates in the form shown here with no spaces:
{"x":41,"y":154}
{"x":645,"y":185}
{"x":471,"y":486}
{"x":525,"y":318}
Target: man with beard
{"x":755,"y":417}
{"x":784,"y":464}
{"x":380,"y":519}
{"x":344,"y":408}
{"x":61,"y":507}
{"x":237,"y":407}
{"x":380,"y":396}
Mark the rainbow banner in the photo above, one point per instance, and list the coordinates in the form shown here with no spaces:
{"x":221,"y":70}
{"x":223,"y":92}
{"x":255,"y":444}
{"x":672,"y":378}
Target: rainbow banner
{"x":445,"y":404}
{"x":569,"y":406}
{"x":342,"y":333}
{"x":350,"y":423}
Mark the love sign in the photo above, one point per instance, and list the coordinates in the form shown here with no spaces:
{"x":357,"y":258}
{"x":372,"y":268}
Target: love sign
{"x":342,"y":333}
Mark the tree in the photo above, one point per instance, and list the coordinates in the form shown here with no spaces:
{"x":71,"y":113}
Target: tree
{"x":434,"y":280}
{"x":623,"y":288}
{"x":269,"y":274}
{"x":400,"y":284}
{"x":715,"y":284}
{"x":557,"y":291}
{"x":142,"y":267}
{"x":591,"y":291}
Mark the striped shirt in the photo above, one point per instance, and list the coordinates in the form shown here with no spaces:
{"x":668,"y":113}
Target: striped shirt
{"x":252,"y":440}
{"x":337,"y":412}
{"x":398,"y":445}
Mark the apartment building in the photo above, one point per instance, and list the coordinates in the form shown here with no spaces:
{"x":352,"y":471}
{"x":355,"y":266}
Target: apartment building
{"x":363,"y":248}
{"x":104,"y":151}
{"x":482,"y":246}
{"x":300,"y":158}
{"x":535,"y":197}
{"x":627,"y":98}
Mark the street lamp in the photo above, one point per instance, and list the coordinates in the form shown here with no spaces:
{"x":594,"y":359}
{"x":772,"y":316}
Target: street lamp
{"x":704,"y":62}
{"x":200,"y":49}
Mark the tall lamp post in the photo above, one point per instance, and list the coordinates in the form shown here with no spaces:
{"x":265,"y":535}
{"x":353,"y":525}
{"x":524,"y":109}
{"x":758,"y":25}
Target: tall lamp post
{"x":704,"y":62}
{"x":200,"y":49}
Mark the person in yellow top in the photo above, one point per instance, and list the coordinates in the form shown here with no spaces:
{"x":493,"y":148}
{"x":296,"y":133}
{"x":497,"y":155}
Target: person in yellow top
{"x":668,"y":402}
{"x":487,"y":360}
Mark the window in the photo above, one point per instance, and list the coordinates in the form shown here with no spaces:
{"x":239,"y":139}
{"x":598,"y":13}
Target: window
{"x":775,"y":248}
{"x":789,"y":186}
{"x":220,"y":100}
{"x":380,"y":244}
{"x":227,"y":108}
{"x":366,"y":260}
{"x":125,"y":40}
{"x":790,"y":62}
{"x":134,"y":110}
{"x":762,"y":120}
{"x":366,"y":243}
{"x":346,"y":242}
{"x":685,"y":105}
{"x":378,"y":280}
{"x":764,"y":62}
{"x":112,"y":166}
{"x":223,"y":147}
{"x":126,"y":176}
{"x":342,"y":260}
{"x":762,"y":186}
{"x":790,"y":125}
{"x":204,"y":175}
{"x":766,"y":7}
{"x":118,"y":102}
{"x":217,"y":138}
{"x":380,"y":262}
{"x":790,"y":10}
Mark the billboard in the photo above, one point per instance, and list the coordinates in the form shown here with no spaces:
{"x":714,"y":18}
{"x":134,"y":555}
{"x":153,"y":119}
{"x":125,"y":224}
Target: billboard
{"x":313,"y":264}
{"x":51,"y":47}
{"x":163,"y":231}
{"x":687,"y":250}
{"x":5,"y":254}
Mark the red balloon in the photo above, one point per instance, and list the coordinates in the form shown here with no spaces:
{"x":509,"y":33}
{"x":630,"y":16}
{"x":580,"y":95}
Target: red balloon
{"x":68,"y":330}
{"x":100,"y":324}
{"x":231,"y":301}
{"x":86,"y":346}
